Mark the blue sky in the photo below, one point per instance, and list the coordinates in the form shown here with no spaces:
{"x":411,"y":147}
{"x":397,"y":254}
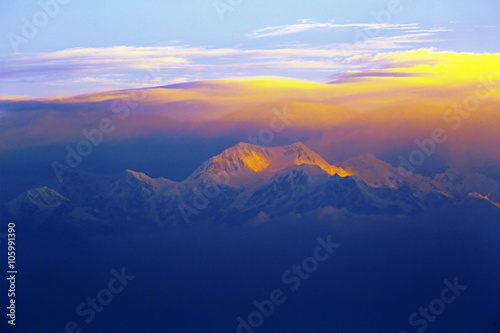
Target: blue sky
{"x":93,"y":45}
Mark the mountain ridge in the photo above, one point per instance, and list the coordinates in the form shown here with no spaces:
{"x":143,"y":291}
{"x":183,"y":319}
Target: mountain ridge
{"x":245,"y":160}
{"x":242,"y":183}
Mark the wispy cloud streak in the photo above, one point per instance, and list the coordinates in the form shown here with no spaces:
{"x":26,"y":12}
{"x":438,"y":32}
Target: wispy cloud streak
{"x":308,"y":25}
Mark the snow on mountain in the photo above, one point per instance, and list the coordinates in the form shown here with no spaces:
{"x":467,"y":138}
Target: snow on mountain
{"x":131,"y":181}
{"x":35,"y":205}
{"x":81,"y":187}
{"x":286,"y":185}
{"x":369,"y":168}
{"x":134,"y":195}
{"x":38,"y":198}
{"x":245,"y":162}
{"x":463,"y":183}
{"x":304,"y":188}
{"x":247,"y":183}
{"x":378,"y":173}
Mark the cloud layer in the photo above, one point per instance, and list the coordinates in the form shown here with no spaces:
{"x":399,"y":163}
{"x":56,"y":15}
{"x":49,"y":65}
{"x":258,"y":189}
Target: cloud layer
{"x":119,"y":67}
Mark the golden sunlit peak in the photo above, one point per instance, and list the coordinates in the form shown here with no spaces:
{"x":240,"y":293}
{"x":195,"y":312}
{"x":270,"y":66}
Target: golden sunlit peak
{"x":250,"y":157}
{"x":307,"y":156}
{"x":245,"y":159}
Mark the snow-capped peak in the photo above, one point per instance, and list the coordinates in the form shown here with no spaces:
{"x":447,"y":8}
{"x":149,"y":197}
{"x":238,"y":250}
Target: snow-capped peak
{"x":246,"y":160}
{"x":134,"y":175}
{"x":43,"y":196}
{"x":371,"y":169}
{"x":36,"y":204}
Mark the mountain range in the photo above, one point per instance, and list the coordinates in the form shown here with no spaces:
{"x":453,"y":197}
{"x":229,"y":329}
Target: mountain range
{"x":249,"y":184}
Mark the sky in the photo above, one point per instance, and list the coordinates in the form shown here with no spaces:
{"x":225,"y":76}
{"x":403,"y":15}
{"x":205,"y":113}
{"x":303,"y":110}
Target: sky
{"x":51,"y":48}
